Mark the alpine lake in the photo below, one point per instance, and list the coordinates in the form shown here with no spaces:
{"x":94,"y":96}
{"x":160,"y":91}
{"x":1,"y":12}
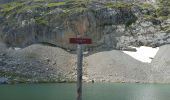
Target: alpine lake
{"x":91,"y":91}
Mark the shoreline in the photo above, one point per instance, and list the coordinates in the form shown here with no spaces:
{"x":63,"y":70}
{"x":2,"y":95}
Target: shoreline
{"x":84,"y":83}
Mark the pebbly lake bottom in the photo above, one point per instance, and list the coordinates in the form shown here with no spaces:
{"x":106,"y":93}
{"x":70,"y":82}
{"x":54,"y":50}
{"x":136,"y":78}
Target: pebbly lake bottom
{"x":96,"y":91}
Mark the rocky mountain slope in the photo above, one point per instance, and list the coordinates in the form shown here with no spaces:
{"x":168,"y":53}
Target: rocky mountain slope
{"x":116,"y":66}
{"x":111,"y":25}
{"x":161,"y":64}
{"x":37,"y":63}
{"x":41,"y":63}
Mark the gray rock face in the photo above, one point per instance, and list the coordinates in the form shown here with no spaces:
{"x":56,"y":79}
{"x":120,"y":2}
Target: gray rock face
{"x":3,"y":80}
{"x":7,"y":1}
{"x":44,"y":25}
{"x":152,"y":40}
{"x":109,"y":27}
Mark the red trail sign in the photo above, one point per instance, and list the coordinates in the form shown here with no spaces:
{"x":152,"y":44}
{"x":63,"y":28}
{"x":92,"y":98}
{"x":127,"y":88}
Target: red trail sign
{"x":80,"y":41}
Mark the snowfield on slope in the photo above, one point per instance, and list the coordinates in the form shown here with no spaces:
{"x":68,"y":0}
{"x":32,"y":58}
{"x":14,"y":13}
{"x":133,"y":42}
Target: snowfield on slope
{"x":143,"y":53}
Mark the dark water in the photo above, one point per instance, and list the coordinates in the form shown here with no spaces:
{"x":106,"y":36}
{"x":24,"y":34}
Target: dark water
{"x":97,"y":91}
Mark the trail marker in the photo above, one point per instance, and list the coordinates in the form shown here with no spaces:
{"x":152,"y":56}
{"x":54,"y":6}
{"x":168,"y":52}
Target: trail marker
{"x":79,"y":42}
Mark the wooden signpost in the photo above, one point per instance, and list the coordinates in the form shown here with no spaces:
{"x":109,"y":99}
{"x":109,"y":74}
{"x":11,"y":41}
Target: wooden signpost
{"x":79,"y":42}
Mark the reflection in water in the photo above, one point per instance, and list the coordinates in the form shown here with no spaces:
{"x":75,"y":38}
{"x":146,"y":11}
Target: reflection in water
{"x":146,"y":93}
{"x":96,"y":91}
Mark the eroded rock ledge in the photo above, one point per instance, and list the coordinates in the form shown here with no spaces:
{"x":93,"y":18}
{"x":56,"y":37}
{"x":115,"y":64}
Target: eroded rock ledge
{"x":111,"y":25}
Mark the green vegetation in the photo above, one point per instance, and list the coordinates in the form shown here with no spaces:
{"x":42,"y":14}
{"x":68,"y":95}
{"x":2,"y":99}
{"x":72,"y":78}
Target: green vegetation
{"x":167,"y":28}
{"x":146,"y":6}
{"x":119,"y":5}
{"x":164,"y":9}
{"x":148,"y":10}
{"x":162,"y":18}
{"x":41,"y":21}
{"x":130,"y":22}
{"x":71,"y":7}
{"x":10,"y":7}
{"x":69,"y":12}
{"x":39,"y":1}
{"x":41,"y":9}
{"x":151,"y":13}
{"x":148,"y":17}
{"x":54,"y":4}
{"x":75,"y":7}
{"x":28,"y":8}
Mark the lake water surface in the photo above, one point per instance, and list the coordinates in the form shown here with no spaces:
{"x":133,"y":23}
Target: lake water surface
{"x":97,"y":91}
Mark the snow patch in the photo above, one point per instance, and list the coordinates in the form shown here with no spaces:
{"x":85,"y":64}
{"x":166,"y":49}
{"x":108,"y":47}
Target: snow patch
{"x":143,"y":53}
{"x":17,"y":48}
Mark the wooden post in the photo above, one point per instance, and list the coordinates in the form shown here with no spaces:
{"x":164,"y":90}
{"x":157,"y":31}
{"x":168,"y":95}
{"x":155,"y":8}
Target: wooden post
{"x":80,"y":41}
{"x":79,"y":71}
